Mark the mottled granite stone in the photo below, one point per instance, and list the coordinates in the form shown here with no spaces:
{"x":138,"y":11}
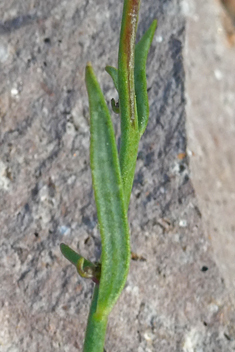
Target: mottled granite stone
{"x":176,"y":299}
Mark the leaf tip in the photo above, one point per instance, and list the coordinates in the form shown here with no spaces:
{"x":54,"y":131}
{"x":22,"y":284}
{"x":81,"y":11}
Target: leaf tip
{"x":89,"y":68}
{"x":154,"y":23}
{"x":62,"y":247}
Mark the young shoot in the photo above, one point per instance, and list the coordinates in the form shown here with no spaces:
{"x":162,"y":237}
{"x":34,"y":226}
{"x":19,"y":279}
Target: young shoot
{"x":113,"y":172}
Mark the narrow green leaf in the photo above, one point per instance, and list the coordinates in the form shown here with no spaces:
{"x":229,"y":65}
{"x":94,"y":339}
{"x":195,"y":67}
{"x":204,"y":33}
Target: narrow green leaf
{"x":109,"y":198}
{"x":127,"y":100}
{"x":141,"y":54}
{"x":113,"y":72}
{"x":72,"y":256}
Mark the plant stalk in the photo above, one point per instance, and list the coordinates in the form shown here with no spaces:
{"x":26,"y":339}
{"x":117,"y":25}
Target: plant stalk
{"x":127,"y":100}
{"x":96,"y":328}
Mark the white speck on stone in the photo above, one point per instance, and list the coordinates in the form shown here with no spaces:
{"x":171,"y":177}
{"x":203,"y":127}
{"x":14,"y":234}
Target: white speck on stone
{"x":128,"y":289}
{"x":44,"y":194}
{"x":4,"y":181}
{"x":141,"y":349}
{"x":134,"y":290}
{"x":148,"y":336}
{"x":14,"y":92}
{"x":159,"y":39}
{"x":189,"y":152}
{"x":64,"y":230}
{"x":183,"y":223}
{"x":192,"y":342}
{"x":213,"y":308}
{"x":71,"y":180}
{"x":45,"y":111}
{"x":188,"y":9}
{"x":218,"y":74}
{"x":185,"y":8}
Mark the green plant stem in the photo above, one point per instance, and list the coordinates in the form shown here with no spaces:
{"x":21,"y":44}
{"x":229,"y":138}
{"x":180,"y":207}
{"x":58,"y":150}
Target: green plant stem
{"x":96,"y":327}
{"x":127,"y":101}
{"x":113,"y":174}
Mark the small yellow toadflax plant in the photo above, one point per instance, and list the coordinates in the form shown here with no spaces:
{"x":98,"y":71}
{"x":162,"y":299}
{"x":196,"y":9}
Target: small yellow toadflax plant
{"x":113,"y":173}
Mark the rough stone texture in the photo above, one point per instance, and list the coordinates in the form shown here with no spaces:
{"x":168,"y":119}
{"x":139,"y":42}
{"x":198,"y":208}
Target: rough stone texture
{"x":176,"y":300}
{"x":210,"y":67}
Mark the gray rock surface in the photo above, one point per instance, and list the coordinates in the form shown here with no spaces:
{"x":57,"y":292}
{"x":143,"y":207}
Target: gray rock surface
{"x":174,"y":301}
{"x":210,"y":87}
